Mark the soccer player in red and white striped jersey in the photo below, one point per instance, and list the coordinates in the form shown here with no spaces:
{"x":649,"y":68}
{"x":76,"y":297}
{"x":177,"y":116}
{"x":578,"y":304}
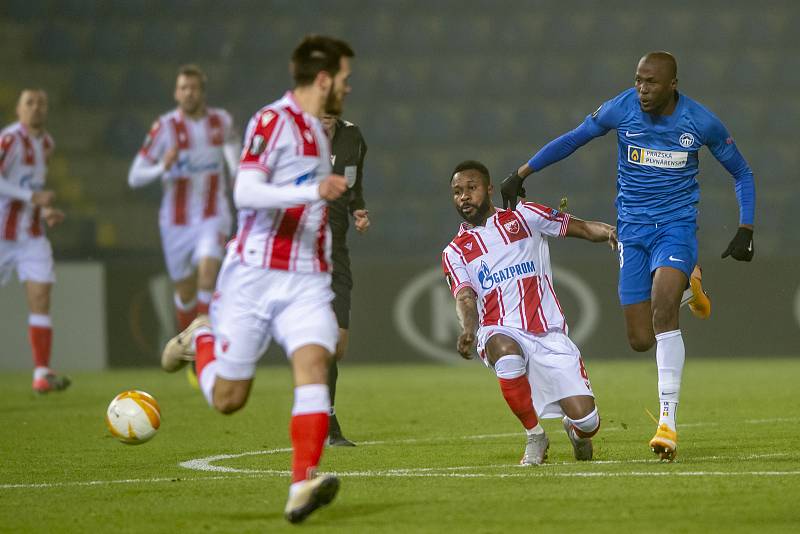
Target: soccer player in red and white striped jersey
{"x":275,"y":281}
{"x":498,"y":269}
{"x":191,"y":149}
{"x":25,"y":207}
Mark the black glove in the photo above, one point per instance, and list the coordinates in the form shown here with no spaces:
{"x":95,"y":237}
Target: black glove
{"x":741,"y":246}
{"x":510,"y":189}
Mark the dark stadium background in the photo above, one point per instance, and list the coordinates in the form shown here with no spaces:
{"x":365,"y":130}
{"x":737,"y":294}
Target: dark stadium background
{"x":435,"y":82}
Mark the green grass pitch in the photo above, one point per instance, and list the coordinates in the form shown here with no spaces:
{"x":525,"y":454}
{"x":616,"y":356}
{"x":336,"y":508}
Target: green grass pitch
{"x":438,"y":453}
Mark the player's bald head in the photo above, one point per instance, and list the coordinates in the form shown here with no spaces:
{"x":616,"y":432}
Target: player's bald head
{"x":664,"y":60}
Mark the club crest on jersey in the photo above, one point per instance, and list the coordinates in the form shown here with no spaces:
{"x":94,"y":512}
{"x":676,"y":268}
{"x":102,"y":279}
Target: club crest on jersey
{"x":488,"y":278}
{"x":686,"y":140}
{"x":512,"y":227}
{"x":468,"y":246}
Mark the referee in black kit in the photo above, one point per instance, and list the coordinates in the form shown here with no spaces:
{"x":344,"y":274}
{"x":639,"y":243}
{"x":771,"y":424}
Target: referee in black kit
{"x":348,"y":150}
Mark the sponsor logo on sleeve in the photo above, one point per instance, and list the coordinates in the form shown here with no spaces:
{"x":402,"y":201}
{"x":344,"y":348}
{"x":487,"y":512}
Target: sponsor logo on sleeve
{"x":665,"y":159}
{"x":257,"y":145}
{"x":267,"y":117}
{"x":350,"y":172}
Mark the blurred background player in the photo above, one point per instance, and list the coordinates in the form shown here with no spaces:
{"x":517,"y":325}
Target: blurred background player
{"x":498,"y":269}
{"x":660,"y":133}
{"x":348,"y":151}
{"x":190,"y":149}
{"x":25,"y":206}
{"x":275,"y":280}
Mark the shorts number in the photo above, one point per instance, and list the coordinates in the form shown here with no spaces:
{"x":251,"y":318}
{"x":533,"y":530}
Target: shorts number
{"x":584,"y":374}
{"x":621,"y":257}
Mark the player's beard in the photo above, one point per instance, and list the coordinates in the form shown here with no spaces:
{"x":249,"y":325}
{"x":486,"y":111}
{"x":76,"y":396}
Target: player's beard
{"x":333,"y":103}
{"x":477,"y":217}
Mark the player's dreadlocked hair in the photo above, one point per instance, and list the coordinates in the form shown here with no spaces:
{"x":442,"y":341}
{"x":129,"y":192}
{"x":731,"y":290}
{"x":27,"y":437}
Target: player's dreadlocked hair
{"x":315,"y":54}
{"x":472,"y":164}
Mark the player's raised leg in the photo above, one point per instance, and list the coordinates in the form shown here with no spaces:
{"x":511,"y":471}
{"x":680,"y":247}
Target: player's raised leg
{"x":40,"y":333}
{"x":510,"y":365}
{"x":207,"y":271}
{"x":185,"y":299}
{"x":695,"y":296}
{"x":668,"y":284}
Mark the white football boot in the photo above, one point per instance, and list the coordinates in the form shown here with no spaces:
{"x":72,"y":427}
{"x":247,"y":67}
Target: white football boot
{"x":582,"y":447}
{"x":535,"y":449}
{"x":180,"y":349}
{"x":310,"y":495}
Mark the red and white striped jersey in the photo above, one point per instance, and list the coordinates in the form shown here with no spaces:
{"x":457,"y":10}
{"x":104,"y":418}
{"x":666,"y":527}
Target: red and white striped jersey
{"x":23,"y":163}
{"x":290,"y":147}
{"x":507,"y":264}
{"x":194,"y":187}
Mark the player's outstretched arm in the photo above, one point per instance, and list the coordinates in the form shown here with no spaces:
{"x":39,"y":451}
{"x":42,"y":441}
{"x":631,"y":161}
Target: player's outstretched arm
{"x":554,"y":151}
{"x":594,"y":231}
{"x":251,"y":191}
{"x":467,"y":311}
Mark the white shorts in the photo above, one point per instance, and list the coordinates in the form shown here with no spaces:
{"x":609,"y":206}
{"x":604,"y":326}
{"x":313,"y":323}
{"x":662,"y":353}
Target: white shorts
{"x":253,"y":305}
{"x":32,"y":258}
{"x":554,"y":365}
{"x":185,"y":246}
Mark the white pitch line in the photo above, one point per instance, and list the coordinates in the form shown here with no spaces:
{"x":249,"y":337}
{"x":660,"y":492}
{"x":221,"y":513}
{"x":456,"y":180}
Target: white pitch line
{"x":121,"y":481}
{"x":204,"y":464}
{"x":529,"y":472}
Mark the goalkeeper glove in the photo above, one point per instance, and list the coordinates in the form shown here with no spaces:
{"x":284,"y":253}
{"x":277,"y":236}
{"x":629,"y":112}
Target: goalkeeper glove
{"x":510,"y":189}
{"x":741,"y":246}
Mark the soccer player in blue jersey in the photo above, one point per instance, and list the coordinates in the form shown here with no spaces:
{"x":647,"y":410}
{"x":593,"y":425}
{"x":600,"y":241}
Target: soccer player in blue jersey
{"x":659,"y":132}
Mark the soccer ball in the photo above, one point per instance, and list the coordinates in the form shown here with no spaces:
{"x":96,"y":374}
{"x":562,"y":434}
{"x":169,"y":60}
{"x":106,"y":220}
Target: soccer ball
{"x":133,"y":417}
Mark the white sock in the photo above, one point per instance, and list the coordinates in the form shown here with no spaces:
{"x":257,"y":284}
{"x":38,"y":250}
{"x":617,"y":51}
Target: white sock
{"x":311,"y":398}
{"x":535,"y":430}
{"x":204,"y":297}
{"x":207,"y":379}
{"x":183,"y":306}
{"x":41,"y":320}
{"x":588,"y":424}
{"x":40,"y":372}
{"x":510,"y":366}
{"x":670,"y":355}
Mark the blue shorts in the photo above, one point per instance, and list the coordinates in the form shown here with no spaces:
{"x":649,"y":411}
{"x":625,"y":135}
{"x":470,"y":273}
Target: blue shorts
{"x":643,"y":248}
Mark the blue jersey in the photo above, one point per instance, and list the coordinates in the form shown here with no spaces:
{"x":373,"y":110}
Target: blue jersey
{"x":657,"y":161}
{"x":658,"y":158}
